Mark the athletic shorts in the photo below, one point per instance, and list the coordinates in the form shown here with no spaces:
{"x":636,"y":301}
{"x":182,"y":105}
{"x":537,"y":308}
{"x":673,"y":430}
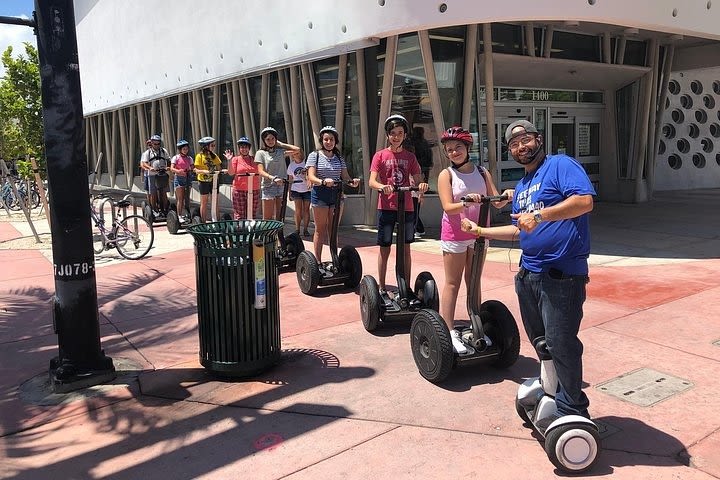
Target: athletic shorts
{"x":386,"y":220}
{"x":206,"y":187}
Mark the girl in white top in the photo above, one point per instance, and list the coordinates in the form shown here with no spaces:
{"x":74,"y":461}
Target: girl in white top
{"x":300,"y":193}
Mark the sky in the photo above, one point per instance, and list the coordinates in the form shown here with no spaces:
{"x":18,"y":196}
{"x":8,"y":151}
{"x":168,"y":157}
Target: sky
{"x":15,"y":35}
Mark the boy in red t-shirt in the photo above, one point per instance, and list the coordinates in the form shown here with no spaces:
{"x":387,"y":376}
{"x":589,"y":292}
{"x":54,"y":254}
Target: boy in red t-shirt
{"x":390,"y":167}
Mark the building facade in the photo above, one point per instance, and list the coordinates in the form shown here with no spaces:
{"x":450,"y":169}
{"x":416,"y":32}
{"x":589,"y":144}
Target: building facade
{"x":630,"y":89}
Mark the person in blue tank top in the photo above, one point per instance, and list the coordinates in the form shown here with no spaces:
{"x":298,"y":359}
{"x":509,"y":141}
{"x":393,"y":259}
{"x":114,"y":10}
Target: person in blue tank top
{"x":551,"y":206}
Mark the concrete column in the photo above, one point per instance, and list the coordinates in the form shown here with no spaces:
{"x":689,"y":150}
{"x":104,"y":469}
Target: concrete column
{"x":547,"y":46}
{"x":340,"y":94}
{"x":295,"y":104}
{"x":490,"y":101}
{"x":435,"y":105}
{"x":386,"y":98}
{"x":530,"y":39}
{"x":641,"y":153}
{"x":370,"y":199}
{"x":667,"y":66}
{"x":471,"y":41}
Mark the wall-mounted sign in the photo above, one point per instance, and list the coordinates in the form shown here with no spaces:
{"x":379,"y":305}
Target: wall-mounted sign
{"x":539,"y":95}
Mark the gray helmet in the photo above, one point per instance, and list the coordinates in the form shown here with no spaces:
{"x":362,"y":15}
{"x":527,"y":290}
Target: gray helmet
{"x":332,"y":130}
{"x":396,"y":120}
{"x":156,"y":138}
{"x":204,"y":141}
{"x":268,"y":130}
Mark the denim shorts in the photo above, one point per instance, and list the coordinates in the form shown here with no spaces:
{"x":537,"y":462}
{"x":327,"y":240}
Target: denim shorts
{"x":386,"y":220}
{"x":324,"y":196}
{"x":180,"y":181}
{"x":272,"y":191}
{"x":305,"y":196}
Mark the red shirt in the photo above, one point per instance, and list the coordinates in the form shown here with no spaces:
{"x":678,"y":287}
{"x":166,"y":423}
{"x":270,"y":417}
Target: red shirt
{"x":394,"y":168}
{"x":245,"y":165}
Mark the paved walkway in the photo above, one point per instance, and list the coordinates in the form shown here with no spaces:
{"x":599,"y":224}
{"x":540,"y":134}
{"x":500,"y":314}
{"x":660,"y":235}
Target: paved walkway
{"x":343,"y":403}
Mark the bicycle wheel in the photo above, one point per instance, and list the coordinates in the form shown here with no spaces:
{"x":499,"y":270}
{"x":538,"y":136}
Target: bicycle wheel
{"x":134,"y":237}
{"x":98,"y":240}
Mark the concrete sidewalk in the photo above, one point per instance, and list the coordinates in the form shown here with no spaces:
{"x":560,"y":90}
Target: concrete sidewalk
{"x":343,"y":403}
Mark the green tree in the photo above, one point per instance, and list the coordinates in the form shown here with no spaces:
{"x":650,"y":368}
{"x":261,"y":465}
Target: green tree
{"x":21,"y":128}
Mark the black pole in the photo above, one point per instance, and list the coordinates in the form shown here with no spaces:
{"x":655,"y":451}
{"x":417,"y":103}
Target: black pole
{"x":80,"y":362}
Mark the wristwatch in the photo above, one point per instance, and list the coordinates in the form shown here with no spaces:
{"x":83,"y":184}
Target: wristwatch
{"x":537,"y":216}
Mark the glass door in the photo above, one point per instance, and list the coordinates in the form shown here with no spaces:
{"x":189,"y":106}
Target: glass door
{"x":562,"y":136}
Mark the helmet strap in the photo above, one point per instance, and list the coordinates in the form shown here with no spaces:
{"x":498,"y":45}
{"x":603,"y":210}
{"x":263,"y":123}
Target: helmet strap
{"x":457,"y":166}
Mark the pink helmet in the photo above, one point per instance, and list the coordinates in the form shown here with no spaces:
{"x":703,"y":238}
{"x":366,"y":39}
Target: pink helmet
{"x":457,"y":133}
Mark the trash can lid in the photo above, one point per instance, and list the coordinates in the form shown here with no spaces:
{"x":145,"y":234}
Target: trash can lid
{"x":236,"y":232}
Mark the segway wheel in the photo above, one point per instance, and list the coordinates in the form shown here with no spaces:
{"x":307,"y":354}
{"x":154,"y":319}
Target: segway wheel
{"x":148,"y":213}
{"x":572,"y":447}
{"x":521,"y":411}
{"x":293,"y":246}
{"x":308,"y":272}
{"x":426,"y":291}
{"x":173,"y":222}
{"x":431,"y":346}
{"x":173,"y":207}
{"x":499,"y":324}
{"x":370,"y":306}
{"x":350,"y":264}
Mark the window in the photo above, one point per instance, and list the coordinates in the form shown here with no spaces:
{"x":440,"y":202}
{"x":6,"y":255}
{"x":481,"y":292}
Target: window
{"x":576,"y":46}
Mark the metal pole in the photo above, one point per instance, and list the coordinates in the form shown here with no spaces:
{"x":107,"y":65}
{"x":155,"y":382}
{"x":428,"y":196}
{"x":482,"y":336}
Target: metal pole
{"x":490,"y":101}
{"x":80,"y":361}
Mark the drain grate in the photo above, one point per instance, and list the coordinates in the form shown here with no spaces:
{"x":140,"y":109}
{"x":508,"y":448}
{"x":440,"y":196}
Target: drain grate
{"x":644,"y":386}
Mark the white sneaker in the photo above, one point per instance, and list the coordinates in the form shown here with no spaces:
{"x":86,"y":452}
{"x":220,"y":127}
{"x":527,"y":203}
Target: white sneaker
{"x":458,"y":346}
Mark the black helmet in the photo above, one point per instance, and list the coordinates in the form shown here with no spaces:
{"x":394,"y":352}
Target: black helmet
{"x":332,"y":130}
{"x":396,"y":120}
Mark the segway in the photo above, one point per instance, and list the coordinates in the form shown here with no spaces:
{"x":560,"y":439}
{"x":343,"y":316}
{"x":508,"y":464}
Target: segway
{"x":174,"y":221}
{"x":289,"y":246}
{"x":401,"y":308}
{"x":572,"y":442}
{"x":492,"y":336}
{"x":344,"y":268}
{"x":160,"y":213}
{"x":214,"y":194}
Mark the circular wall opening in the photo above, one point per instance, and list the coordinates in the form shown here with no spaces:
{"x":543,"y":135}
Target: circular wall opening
{"x":701,"y":116}
{"x":693,"y":130}
{"x":696,"y":87}
{"x":674,"y":12}
{"x":667,"y":103}
{"x":668,"y":131}
{"x":683,"y":145}
{"x":709,"y":101}
{"x":716,"y":86}
{"x":661,"y":147}
{"x":707,"y":145}
{"x":677,"y":115}
{"x":674,"y":87}
{"x":674,"y":162}
{"x":699,"y":160}
{"x":686,"y":101}
{"x":717,"y":158}
{"x":715,"y":130}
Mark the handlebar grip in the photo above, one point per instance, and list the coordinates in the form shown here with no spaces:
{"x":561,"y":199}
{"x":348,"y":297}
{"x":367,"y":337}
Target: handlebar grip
{"x":484,"y":199}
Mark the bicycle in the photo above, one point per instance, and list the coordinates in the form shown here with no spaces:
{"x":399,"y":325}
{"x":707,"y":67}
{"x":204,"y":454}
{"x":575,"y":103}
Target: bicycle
{"x":131,"y":235}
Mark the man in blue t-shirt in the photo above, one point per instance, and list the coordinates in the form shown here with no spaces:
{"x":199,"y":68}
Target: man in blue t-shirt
{"x":551,"y":205}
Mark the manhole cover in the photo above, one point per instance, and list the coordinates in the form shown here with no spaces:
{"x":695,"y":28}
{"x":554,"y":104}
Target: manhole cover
{"x":644,"y":387}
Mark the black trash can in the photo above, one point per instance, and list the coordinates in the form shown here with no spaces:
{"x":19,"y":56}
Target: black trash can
{"x":237,"y":295}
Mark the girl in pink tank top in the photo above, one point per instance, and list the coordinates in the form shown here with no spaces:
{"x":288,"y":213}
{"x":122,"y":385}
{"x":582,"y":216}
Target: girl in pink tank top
{"x":461,"y":179}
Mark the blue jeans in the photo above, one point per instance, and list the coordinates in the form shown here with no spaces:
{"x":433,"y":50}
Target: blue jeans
{"x":551,"y":305}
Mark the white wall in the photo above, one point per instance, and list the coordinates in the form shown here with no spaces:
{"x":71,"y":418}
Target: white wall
{"x":689,"y":175}
{"x":135,"y":50}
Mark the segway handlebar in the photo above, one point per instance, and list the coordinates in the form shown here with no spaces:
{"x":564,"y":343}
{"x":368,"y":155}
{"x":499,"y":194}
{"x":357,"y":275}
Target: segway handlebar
{"x":484,"y":199}
{"x":397,"y":188}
